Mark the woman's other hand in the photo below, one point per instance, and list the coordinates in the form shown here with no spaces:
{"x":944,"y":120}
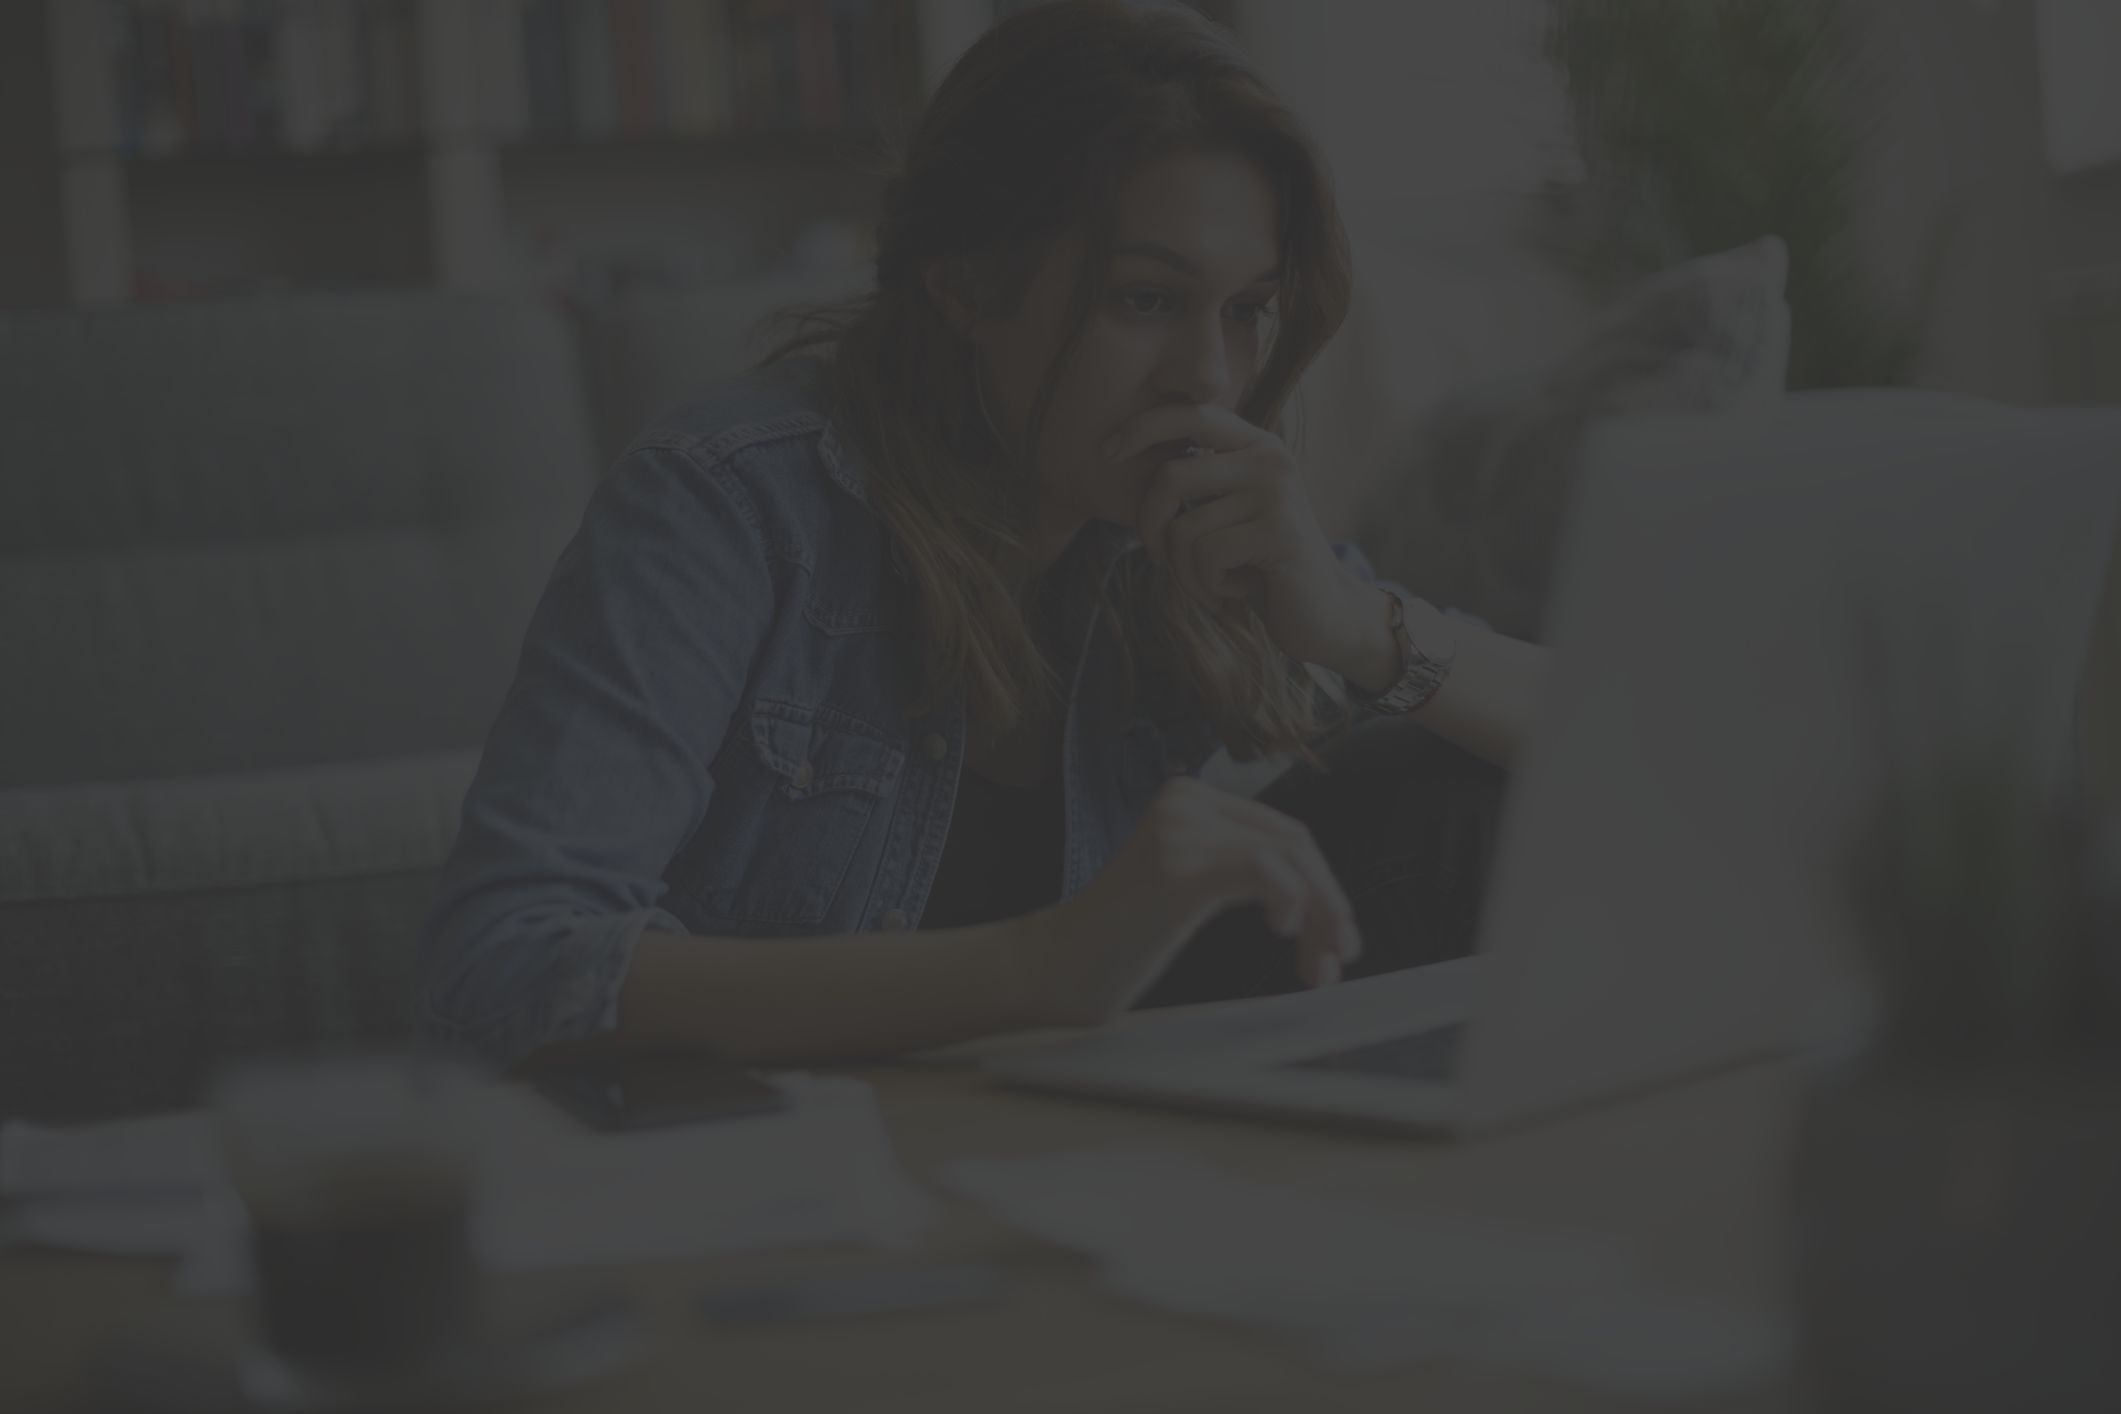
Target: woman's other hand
{"x":1196,"y":851}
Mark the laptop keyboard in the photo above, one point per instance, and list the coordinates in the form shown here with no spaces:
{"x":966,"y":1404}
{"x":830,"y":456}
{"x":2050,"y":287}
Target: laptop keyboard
{"x":1424,"y":1055}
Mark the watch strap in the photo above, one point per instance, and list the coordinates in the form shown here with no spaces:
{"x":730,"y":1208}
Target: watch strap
{"x":1424,"y":665}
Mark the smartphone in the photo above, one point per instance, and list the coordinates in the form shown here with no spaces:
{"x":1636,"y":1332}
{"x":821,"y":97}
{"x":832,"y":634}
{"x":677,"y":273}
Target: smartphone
{"x":626,"y":1092}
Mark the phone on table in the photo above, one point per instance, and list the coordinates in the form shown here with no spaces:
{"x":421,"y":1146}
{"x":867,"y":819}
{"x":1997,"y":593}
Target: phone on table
{"x":629,"y":1092}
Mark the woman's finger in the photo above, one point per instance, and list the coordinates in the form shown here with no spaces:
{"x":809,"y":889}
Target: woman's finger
{"x":1191,"y":480}
{"x":1331,"y":917}
{"x":1265,"y":872}
{"x":1189,"y":526}
{"x":1280,"y":889}
{"x":1216,"y":428}
{"x":1253,"y":543}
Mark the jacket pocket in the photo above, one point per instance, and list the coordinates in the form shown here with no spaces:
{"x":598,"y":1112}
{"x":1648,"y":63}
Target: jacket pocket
{"x":822,"y":773}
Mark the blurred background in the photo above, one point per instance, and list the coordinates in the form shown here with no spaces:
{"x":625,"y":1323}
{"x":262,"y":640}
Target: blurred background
{"x":159,"y":150}
{"x":1967,"y":151}
{"x":1946,"y":172}
{"x":319,"y":318}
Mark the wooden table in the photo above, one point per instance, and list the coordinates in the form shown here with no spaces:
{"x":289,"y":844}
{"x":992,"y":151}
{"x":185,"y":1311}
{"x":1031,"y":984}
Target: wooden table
{"x":1688,"y":1176}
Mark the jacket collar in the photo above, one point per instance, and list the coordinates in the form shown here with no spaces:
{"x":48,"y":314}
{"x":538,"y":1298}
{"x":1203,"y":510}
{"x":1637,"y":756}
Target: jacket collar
{"x":844,"y":464}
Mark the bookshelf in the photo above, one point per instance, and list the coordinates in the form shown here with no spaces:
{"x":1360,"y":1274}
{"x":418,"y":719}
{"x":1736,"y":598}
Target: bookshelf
{"x":218,"y":147}
{"x":210,"y":147}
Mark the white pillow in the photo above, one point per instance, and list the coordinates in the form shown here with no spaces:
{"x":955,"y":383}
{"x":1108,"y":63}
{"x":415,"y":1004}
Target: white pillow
{"x":1472,"y":516}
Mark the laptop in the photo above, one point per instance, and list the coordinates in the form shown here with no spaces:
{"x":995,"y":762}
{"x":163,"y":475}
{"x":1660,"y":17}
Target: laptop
{"x":1668,"y":896}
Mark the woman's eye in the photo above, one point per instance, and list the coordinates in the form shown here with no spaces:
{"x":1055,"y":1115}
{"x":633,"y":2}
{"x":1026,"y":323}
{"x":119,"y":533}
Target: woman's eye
{"x":1150,"y":303}
{"x":1134,"y":301}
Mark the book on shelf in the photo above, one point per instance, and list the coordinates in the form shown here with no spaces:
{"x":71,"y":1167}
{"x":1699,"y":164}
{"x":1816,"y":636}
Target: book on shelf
{"x":817,"y":65}
{"x":393,"y":70}
{"x":588,"y":36}
{"x":177,"y":76}
{"x":695,"y":68}
{"x":633,"y":69}
{"x":696,"y":74}
{"x":157,"y":77}
{"x":548,"y":81}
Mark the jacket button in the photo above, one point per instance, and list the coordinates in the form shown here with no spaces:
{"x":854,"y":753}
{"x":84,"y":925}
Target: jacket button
{"x":894,"y":918}
{"x":805,"y":773}
{"x":936,"y":747}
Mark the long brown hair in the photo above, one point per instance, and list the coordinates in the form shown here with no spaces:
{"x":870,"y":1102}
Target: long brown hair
{"x":1027,"y":141}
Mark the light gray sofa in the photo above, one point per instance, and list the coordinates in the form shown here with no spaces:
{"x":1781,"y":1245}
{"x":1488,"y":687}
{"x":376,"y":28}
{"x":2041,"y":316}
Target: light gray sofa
{"x":264,"y":570}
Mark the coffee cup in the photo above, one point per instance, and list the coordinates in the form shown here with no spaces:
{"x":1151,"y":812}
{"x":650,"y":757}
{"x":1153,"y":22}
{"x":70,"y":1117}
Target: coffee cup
{"x":356,"y":1175}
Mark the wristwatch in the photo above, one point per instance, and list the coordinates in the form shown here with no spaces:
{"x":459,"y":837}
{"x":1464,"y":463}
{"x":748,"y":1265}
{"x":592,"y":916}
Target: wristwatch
{"x":1423,"y":666}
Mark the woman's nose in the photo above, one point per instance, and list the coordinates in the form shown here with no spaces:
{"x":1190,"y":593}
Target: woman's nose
{"x":1198,"y":369}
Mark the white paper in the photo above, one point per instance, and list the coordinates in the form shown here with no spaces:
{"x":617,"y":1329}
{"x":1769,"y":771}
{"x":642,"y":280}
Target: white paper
{"x":110,"y":1225}
{"x":1370,"y":1286}
{"x":168,"y":1152}
{"x":550,"y":1194}
{"x":820,"y":1171}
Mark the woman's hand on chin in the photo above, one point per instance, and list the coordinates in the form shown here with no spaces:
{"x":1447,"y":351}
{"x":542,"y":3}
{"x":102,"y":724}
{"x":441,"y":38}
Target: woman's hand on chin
{"x":1227,"y":513}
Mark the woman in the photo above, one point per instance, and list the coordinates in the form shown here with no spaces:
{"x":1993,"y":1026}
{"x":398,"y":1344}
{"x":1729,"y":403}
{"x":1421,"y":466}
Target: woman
{"x":860,"y":716}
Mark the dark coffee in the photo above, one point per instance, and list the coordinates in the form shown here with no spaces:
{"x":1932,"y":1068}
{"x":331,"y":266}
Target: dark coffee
{"x":365,"y":1266}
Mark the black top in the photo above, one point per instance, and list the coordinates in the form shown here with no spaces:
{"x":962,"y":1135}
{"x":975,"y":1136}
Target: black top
{"x":1003,"y":855}
{"x":1002,"y":858}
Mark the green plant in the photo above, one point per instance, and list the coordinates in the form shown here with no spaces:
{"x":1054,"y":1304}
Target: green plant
{"x":1705,"y":124}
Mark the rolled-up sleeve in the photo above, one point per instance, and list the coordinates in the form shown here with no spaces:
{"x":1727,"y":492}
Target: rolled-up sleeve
{"x":596,"y":770}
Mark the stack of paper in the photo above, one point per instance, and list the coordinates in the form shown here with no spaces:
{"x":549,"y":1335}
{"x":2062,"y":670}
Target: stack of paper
{"x":1371,"y":1286}
{"x":550,"y":1193}
{"x":129,"y":1189}
{"x":820,"y":1171}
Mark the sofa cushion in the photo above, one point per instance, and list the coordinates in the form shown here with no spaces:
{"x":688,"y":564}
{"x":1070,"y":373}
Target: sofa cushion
{"x":157,"y":929}
{"x":2099,"y":699}
{"x":1448,"y":295}
{"x":230,"y":831}
{"x":129,"y":1003}
{"x":1473,"y":513}
{"x":293,"y":417}
{"x":647,"y":350}
{"x":255,"y":535}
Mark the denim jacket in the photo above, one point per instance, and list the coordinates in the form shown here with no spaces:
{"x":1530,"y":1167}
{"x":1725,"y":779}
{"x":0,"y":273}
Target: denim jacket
{"x":707,"y":733}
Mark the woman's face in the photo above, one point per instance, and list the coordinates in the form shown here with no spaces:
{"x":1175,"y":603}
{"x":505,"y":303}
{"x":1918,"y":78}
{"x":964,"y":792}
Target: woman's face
{"x":1186,"y":317}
